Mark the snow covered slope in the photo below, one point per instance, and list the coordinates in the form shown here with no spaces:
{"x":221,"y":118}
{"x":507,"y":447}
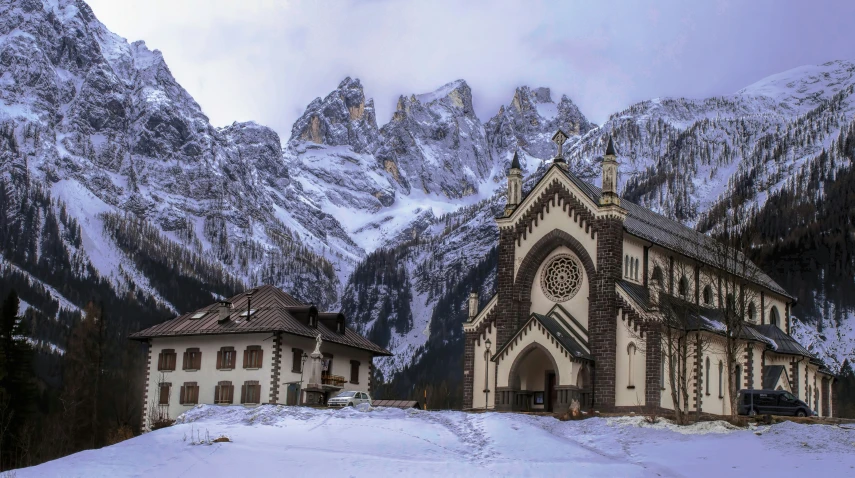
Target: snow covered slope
{"x":391,"y":442}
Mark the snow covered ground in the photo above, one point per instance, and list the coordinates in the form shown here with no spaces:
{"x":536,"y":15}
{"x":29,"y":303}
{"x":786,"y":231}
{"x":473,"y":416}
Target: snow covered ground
{"x":294,"y":441}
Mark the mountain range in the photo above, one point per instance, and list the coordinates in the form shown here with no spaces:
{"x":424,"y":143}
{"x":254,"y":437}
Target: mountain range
{"x":115,"y":186}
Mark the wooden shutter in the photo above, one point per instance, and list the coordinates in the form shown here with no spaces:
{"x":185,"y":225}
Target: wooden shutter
{"x":163,"y":399}
{"x":297,"y":357}
{"x":216,"y":394}
{"x":185,"y":363}
{"x":198,"y":362}
{"x":243,"y":393}
{"x":354,"y":371}
{"x":160,"y":361}
{"x":220,"y":359}
{"x":246,"y":363}
{"x":258,"y":354}
{"x":195,"y":394}
{"x":231,"y":391}
{"x":181,"y":395}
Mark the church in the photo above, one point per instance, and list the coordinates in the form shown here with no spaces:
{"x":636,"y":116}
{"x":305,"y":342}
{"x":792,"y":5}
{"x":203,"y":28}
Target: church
{"x":602,"y":301}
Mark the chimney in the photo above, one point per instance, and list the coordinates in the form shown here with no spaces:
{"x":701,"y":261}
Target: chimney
{"x":473,"y":306}
{"x":223,"y":310}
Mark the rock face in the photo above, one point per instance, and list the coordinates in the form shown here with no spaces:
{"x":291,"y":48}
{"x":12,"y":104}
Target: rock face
{"x":343,"y":117}
{"x":435,"y":144}
{"x":527,"y":124}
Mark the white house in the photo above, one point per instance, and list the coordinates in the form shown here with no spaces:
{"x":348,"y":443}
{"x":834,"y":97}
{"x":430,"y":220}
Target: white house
{"x":250,"y":350}
{"x":584,"y":279}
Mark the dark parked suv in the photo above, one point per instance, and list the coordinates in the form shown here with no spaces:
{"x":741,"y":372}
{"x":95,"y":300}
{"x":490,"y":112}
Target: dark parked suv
{"x":771,"y":402}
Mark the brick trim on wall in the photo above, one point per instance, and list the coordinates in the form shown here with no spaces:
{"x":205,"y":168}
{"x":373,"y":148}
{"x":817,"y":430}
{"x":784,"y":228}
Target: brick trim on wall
{"x":276,"y":367}
{"x":653,"y":362}
{"x":145,"y":407}
{"x":749,"y":365}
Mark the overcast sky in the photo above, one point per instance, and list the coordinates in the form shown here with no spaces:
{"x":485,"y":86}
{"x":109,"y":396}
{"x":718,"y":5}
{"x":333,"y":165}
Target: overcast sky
{"x":265,"y":60}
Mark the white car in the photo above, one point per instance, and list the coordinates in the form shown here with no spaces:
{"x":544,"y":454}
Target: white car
{"x":349,"y":399}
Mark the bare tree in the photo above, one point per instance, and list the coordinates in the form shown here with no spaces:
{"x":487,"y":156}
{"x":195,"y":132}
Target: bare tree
{"x":735,"y":275}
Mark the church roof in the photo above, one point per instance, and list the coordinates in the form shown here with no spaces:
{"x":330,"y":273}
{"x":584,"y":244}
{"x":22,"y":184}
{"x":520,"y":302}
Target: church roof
{"x":673,"y":235}
{"x":781,"y":342}
{"x":515,"y":163}
{"x":636,"y":292}
{"x":272,"y":311}
{"x":558,"y":331}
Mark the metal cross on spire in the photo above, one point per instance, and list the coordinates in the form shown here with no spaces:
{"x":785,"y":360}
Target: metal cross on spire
{"x":559,"y":138}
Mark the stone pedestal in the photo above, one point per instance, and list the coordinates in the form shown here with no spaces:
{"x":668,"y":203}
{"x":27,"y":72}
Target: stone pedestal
{"x":314,"y":391}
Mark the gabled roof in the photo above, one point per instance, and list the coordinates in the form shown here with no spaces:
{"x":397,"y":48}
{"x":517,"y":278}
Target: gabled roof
{"x":781,"y":342}
{"x":557,"y":331}
{"x":673,"y":235}
{"x":772,"y":374}
{"x":272,"y":311}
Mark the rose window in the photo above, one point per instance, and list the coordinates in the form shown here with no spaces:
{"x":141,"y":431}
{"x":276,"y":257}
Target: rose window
{"x":561,"y":278}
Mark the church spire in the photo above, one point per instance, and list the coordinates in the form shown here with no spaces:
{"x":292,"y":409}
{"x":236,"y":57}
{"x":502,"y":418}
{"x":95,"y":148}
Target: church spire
{"x":610,"y":170}
{"x":514,"y":186}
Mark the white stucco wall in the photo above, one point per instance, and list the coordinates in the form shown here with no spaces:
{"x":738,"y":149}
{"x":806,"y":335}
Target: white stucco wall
{"x":634,"y":250}
{"x":577,"y":305}
{"x":208,"y":376}
{"x":625,"y":394}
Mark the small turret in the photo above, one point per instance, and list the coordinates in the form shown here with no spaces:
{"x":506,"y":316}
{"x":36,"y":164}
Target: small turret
{"x":473,"y":306}
{"x":610,"y":170}
{"x":514,"y":186}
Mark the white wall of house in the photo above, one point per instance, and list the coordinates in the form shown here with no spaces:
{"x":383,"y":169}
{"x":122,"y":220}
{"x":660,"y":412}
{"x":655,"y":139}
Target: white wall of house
{"x":208,"y":375}
{"x":342,"y":355}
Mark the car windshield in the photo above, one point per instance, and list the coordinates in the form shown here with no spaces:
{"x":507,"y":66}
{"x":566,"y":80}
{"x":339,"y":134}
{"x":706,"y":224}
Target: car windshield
{"x":345,"y":394}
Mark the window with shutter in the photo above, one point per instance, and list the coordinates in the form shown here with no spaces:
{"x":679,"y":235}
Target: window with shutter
{"x":189,"y":393}
{"x":166,"y":360}
{"x":224,"y":393}
{"x":250,"y":393}
{"x":354,"y":371}
{"x":252,"y":357}
{"x":226,"y":358}
{"x":297,"y":360}
{"x":163,"y":399}
{"x":192,"y":359}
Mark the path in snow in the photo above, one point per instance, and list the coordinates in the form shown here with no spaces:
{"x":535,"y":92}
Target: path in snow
{"x":294,"y":441}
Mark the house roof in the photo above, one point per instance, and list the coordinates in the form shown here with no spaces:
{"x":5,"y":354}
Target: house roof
{"x":272,"y":311}
{"x":771,"y":375}
{"x":557,"y":331}
{"x":636,"y":292}
{"x":673,"y":235}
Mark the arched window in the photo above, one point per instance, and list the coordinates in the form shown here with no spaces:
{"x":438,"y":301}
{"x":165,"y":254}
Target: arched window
{"x":775,"y":317}
{"x":738,"y":377}
{"x":630,"y":352}
{"x":636,"y":269}
{"x":752,"y":313}
{"x":708,"y":295}
{"x":683,"y":286}
{"x":707,"y":377}
{"x":662,"y":373}
{"x":656,"y":276}
{"x":626,"y":266}
{"x":720,"y":379}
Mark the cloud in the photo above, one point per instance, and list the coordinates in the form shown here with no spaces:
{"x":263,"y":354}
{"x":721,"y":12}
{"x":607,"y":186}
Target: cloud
{"x":266,"y":60}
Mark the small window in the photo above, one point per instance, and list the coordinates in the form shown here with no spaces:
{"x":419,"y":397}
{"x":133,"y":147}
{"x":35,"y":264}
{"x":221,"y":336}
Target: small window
{"x":189,"y":393}
{"x":752,"y":313}
{"x":199,"y":315}
{"x":244,"y":313}
{"x":226,"y":358}
{"x":250,"y":393}
{"x":626,"y":266}
{"x":720,"y":379}
{"x":224,"y":393}
{"x":166,"y":360}
{"x":683,"y":287}
{"x":354,"y":371}
{"x":707,"y":381}
{"x":738,"y":377}
{"x":163,"y":396}
{"x":775,"y":317}
{"x":192,"y":359}
{"x":656,"y":276}
{"x":636,"y":270}
{"x":630,"y":352}
{"x":296,"y":360}
{"x":708,"y":295}
{"x":252,"y":356}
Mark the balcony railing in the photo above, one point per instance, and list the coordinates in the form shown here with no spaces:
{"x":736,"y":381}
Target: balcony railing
{"x":334,"y":380}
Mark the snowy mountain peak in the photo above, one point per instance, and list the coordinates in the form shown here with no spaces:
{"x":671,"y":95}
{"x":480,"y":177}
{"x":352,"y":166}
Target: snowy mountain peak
{"x":805,"y":85}
{"x":455,"y":94}
{"x":342,"y":118}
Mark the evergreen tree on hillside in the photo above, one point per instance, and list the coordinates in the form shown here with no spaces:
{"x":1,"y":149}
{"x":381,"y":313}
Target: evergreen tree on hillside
{"x":17,"y":391}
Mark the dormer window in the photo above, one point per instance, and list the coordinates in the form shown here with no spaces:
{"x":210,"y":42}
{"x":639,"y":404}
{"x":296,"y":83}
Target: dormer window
{"x":247,"y":312}
{"x":199,"y":315}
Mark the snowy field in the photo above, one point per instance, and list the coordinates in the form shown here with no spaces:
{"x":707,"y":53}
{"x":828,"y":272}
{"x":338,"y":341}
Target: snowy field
{"x":292,"y":441}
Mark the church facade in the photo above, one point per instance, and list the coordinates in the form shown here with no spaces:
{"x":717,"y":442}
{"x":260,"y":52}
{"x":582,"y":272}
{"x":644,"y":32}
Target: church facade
{"x":590,"y":289}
